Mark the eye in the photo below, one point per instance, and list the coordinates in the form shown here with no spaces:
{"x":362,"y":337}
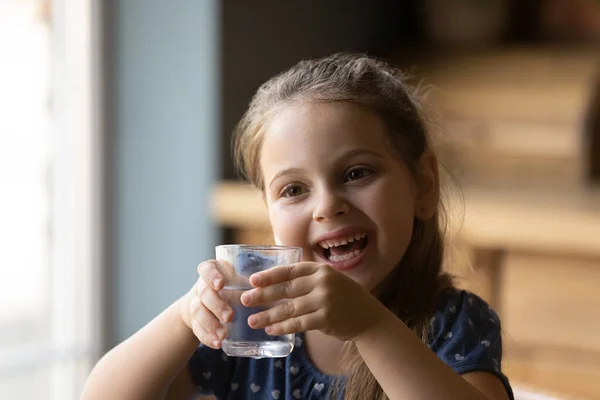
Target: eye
{"x":292,"y":191}
{"x":357,"y":173}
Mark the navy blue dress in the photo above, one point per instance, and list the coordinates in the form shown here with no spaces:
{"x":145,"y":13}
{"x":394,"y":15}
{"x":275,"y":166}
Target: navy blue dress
{"x":465,"y":334}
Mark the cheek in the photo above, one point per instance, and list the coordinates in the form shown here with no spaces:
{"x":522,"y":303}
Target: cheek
{"x":393,"y":212}
{"x":400,"y":224}
{"x":289,"y":227}
{"x":391,"y":203}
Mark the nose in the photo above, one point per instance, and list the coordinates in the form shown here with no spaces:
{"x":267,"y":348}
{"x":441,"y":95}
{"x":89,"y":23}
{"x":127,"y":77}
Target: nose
{"x":330,"y":205}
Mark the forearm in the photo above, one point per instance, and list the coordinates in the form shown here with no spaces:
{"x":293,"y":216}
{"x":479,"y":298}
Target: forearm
{"x":145,"y":365}
{"x":406,"y":368}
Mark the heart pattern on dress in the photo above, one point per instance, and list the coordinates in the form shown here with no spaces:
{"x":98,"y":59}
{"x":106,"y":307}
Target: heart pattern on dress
{"x":234,"y":386}
{"x":452,"y":309}
{"x":297,"y":394}
{"x":254,"y":388}
{"x":485,"y":343}
{"x":278,"y":364}
{"x":458,"y":357}
{"x":448,"y":335}
{"x":298,"y":341}
{"x":275,"y":394}
{"x":319,"y":386}
{"x":294,"y":370}
{"x":206,"y":375}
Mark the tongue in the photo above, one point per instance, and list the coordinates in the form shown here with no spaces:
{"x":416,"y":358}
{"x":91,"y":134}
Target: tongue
{"x":346,"y":248}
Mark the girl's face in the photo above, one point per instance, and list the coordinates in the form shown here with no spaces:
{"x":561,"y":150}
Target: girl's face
{"x":334,"y":187}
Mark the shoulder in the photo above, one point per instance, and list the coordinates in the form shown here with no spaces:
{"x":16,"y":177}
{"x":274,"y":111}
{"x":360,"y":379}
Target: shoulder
{"x":462,"y":312}
{"x":466,"y":333}
{"x":464,"y":324}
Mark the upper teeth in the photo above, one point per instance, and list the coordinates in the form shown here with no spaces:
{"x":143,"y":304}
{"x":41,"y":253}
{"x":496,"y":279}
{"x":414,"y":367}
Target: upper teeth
{"x":340,"y":242}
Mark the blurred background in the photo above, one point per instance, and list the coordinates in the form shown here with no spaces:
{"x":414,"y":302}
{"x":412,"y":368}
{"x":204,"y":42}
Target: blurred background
{"x":116,"y":177}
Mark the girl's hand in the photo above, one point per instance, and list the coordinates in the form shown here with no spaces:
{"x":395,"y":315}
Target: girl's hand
{"x":320,"y":298}
{"x":203,"y":309}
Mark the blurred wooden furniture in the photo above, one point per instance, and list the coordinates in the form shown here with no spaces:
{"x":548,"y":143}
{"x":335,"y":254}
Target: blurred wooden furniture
{"x":535,"y":258}
{"x":513,"y":116}
{"x":516,"y":119}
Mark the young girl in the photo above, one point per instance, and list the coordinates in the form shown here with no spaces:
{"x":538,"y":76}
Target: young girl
{"x":340,"y":152}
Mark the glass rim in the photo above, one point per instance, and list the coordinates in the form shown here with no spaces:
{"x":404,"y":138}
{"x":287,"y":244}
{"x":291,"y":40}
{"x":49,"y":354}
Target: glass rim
{"x":258,"y":247}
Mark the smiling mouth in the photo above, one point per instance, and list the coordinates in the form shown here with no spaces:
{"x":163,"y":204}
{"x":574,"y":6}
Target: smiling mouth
{"x":345,"y":249}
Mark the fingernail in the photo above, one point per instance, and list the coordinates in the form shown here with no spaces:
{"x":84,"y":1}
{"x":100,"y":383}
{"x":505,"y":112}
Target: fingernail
{"x":252,"y":320}
{"x":221,"y":333}
{"x":255,"y":280}
{"x":246,"y":297}
{"x":217,"y":282}
{"x":269,"y":329}
{"x":216,"y":343}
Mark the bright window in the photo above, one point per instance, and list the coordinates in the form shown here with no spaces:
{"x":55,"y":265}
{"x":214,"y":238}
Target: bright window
{"x":50,"y":174}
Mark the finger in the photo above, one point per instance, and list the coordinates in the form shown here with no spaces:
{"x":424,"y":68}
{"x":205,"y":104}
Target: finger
{"x":209,"y":272}
{"x":205,"y":337}
{"x":216,"y":305}
{"x":282,"y":273}
{"x":230,"y":276}
{"x":303,"y":323}
{"x":207,"y":320}
{"x":283,"y":311}
{"x":278,"y":291}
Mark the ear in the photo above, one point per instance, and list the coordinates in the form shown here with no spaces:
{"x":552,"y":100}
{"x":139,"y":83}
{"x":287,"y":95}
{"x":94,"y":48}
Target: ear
{"x":428,"y":187}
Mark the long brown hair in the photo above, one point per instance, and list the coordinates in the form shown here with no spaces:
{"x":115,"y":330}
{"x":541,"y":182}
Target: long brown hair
{"x":411,"y":289}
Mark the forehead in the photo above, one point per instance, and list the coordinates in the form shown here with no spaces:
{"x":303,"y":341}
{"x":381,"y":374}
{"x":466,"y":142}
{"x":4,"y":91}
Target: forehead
{"x":318,"y":132}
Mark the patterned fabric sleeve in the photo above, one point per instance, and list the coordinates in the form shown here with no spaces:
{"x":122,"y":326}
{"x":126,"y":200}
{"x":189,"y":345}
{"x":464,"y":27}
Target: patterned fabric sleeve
{"x":466,"y":335}
{"x":211,"y":371}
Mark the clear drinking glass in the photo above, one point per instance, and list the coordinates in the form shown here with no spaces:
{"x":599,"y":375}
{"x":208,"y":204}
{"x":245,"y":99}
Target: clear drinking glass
{"x":241,"y":261}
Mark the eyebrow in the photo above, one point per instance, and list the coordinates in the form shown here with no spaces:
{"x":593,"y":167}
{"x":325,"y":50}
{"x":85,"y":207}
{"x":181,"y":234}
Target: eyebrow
{"x":346,"y":155}
{"x":284,"y":172}
{"x":358,"y":152}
